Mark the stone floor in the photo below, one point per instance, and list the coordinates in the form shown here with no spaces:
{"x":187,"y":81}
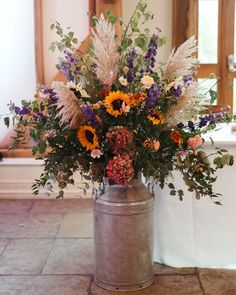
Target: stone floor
{"x":46,"y":247}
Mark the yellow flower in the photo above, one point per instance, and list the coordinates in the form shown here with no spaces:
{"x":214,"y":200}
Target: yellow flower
{"x":147,"y":81}
{"x":115,"y":103}
{"x":212,"y":76}
{"x":125,"y":69}
{"x":143,"y":88}
{"x":87,"y":137}
{"x":156,"y":118}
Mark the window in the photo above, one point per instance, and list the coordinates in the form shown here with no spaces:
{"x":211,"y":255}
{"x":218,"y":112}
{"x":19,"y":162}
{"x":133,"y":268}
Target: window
{"x":213,"y":23}
{"x":17,"y":53}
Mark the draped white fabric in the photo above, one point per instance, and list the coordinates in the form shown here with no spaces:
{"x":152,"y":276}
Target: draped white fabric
{"x":197,"y":232}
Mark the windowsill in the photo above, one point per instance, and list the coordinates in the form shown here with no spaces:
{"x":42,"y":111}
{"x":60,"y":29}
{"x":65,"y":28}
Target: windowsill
{"x":21,"y":162}
{"x":224,"y":135}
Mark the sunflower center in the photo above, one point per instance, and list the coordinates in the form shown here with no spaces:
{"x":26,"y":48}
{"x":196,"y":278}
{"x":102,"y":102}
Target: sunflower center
{"x":156,"y":116}
{"x":117,"y":104}
{"x":77,"y":93}
{"x":89,"y":136}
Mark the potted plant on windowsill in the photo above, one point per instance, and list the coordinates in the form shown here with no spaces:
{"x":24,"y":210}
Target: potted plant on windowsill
{"x":119,"y":115}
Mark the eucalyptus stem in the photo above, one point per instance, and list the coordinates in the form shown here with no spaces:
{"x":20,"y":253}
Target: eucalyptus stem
{"x":127,"y":26}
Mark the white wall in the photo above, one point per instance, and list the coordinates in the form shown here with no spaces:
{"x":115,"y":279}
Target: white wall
{"x":69,"y":13}
{"x":17,"y":54}
{"x":162,"y":9}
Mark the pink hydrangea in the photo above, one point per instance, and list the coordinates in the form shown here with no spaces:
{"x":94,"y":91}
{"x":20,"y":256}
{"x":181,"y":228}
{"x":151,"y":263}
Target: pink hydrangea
{"x":195,"y":142}
{"x":120,"y":169}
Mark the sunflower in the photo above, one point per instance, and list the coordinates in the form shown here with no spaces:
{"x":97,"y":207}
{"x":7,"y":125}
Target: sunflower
{"x":156,"y":118}
{"x":87,"y":137}
{"x":115,"y":102}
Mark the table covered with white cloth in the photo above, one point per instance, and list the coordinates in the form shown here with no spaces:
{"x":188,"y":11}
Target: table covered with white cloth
{"x":195,"y":232}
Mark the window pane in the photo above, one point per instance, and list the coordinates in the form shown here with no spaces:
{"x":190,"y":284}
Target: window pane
{"x":17,"y":54}
{"x":205,"y":85}
{"x":208,"y":31}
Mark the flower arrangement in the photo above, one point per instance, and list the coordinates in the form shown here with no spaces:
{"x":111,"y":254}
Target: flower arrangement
{"x":121,"y":113}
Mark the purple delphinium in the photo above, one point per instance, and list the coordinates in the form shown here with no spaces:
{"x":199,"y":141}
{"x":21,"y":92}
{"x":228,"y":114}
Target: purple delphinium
{"x":13,"y":108}
{"x":40,"y":117}
{"x":52,"y":94}
{"x":25,"y":111}
{"x":89,"y":115}
{"x":175,"y":90}
{"x":152,"y":95}
{"x":188,"y":80}
{"x":130,"y":63}
{"x":191,"y":126}
{"x":68,"y":65}
{"x":203,"y":122}
{"x":19,"y":110}
{"x":150,"y":57}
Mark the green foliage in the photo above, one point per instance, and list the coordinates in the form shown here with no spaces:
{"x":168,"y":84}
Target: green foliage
{"x":213,"y":95}
{"x":7,"y":121}
{"x":67,"y":40}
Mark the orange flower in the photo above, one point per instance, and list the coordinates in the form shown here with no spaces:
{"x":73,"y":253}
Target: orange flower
{"x":153,"y":144}
{"x":136,"y":99}
{"x":175,"y":136}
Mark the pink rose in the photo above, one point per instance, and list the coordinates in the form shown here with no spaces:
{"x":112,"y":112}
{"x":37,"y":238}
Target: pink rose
{"x":194,"y":142}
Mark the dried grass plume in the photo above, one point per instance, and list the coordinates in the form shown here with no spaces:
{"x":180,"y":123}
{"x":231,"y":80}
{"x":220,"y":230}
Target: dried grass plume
{"x":187,"y":107}
{"x":68,"y":105}
{"x":182,"y":61}
{"x":106,"y":56}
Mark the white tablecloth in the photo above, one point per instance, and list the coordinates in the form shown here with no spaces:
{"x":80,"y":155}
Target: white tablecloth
{"x":197,"y":232}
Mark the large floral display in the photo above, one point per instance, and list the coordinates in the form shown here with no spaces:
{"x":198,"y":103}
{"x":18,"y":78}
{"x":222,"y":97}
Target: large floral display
{"x":122,"y":113}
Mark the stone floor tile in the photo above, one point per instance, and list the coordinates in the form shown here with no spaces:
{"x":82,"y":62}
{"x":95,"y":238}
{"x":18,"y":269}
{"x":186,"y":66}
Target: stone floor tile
{"x":41,"y":285}
{"x":10,"y":221}
{"x":25,"y":256}
{"x":77,"y":225}
{"x":15,"y":206}
{"x":33,"y":225}
{"x":62,"y":205}
{"x":162,"y":285}
{"x":70,"y":256}
{"x":3,"y":244}
{"x":162,"y":269}
{"x":218,"y":282}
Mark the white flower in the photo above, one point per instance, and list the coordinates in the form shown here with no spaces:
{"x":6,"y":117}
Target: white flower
{"x":123,"y":81}
{"x":147,"y":81}
{"x":77,"y":87}
{"x":97,"y":153}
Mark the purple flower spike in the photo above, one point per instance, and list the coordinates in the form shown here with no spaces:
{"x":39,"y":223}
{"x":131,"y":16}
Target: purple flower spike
{"x":153,"y":95}
{"x":150,"y":57}
{"x":25,"y":111}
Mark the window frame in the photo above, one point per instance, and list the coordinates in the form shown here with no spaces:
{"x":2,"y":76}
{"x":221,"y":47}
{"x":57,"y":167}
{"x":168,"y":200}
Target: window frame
{"x":187,"y":12}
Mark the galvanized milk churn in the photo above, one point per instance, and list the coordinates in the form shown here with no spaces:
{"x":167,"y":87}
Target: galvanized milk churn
{"x":123,"y":233}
